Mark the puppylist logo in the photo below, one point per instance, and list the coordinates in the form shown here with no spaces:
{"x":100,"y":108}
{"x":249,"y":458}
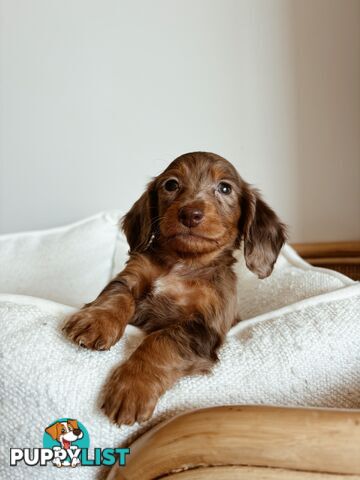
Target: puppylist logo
{"x":66,"y":443}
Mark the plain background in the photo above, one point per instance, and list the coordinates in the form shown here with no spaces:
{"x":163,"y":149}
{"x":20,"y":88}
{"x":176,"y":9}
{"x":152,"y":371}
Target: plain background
{"x":97,"y":96}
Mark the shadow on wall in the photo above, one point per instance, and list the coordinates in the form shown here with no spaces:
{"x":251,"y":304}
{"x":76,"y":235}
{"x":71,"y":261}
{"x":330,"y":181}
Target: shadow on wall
{"x":327,"y":77}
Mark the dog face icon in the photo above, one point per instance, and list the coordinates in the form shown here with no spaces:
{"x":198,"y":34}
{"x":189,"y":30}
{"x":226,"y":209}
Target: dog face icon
{"x":65,"y":432}
{"x":67,"y":438}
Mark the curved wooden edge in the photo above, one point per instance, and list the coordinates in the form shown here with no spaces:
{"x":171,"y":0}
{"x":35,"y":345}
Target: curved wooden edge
{"x":253,"y":473}
{"x":308,"y":440}
{"x":328,"y":249}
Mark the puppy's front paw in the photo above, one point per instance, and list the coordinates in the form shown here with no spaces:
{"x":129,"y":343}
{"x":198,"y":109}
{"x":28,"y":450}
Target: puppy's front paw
{"x":129,"y":397}
{"x":94,"y":327}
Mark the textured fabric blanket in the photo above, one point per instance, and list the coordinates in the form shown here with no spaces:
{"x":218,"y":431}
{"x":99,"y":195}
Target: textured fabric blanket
{"x":298,"y":344}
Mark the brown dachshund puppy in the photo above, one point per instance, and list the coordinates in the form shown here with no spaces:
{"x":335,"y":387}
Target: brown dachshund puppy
{"x":178,"y":284}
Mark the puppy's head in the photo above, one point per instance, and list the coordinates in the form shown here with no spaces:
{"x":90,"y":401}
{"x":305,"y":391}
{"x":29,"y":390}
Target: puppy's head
{"x":67,"y":431}
{"x":199,"y":205}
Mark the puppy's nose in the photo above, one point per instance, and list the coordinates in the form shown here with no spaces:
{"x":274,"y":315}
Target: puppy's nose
{"x":77,"y":431}
{"x":190,"y":216}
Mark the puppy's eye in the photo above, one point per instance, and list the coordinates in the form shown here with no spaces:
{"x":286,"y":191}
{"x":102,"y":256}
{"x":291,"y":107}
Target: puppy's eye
{"x":63,"y":430}
{"x":224,"y":188}
{"x":171,"y":185}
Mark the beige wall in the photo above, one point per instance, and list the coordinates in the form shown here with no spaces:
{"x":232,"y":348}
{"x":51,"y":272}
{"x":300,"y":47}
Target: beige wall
{"x":96,"y":96}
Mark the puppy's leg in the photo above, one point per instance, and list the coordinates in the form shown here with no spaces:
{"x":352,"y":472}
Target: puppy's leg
{"x":163,"y":357}
{"x":101,"y":323}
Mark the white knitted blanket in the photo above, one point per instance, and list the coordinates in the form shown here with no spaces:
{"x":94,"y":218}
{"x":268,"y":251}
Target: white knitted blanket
{"x":299,"y":346}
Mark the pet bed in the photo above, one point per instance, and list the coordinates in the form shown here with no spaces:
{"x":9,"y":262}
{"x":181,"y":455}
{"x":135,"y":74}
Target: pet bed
{"x":298,"y":343}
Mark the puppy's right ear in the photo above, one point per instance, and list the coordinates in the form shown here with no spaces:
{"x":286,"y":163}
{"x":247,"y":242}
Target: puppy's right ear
{"x":73,"y":423}
{"x":52,"y":430}
{"x":139,"y":223}
{"x":262,"y":232}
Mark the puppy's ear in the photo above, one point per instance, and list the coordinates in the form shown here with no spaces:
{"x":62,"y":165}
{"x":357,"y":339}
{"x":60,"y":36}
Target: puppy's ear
{"x":139,"y":223}
{"x":262,"y":232}
{"x":53,"y":430}
{"x":73,"y":423}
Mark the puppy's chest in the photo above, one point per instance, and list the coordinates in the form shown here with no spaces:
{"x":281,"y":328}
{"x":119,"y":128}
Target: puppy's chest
{"x":170,"y":298}
{"x":177,"y":295}
{"x":178,"y":288}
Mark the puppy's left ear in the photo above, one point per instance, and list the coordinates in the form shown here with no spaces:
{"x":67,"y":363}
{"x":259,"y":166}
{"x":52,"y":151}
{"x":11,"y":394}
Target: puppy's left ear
{"x":53,"y":430}
{"x":139,"y":223}
{"x":262,"y":232}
